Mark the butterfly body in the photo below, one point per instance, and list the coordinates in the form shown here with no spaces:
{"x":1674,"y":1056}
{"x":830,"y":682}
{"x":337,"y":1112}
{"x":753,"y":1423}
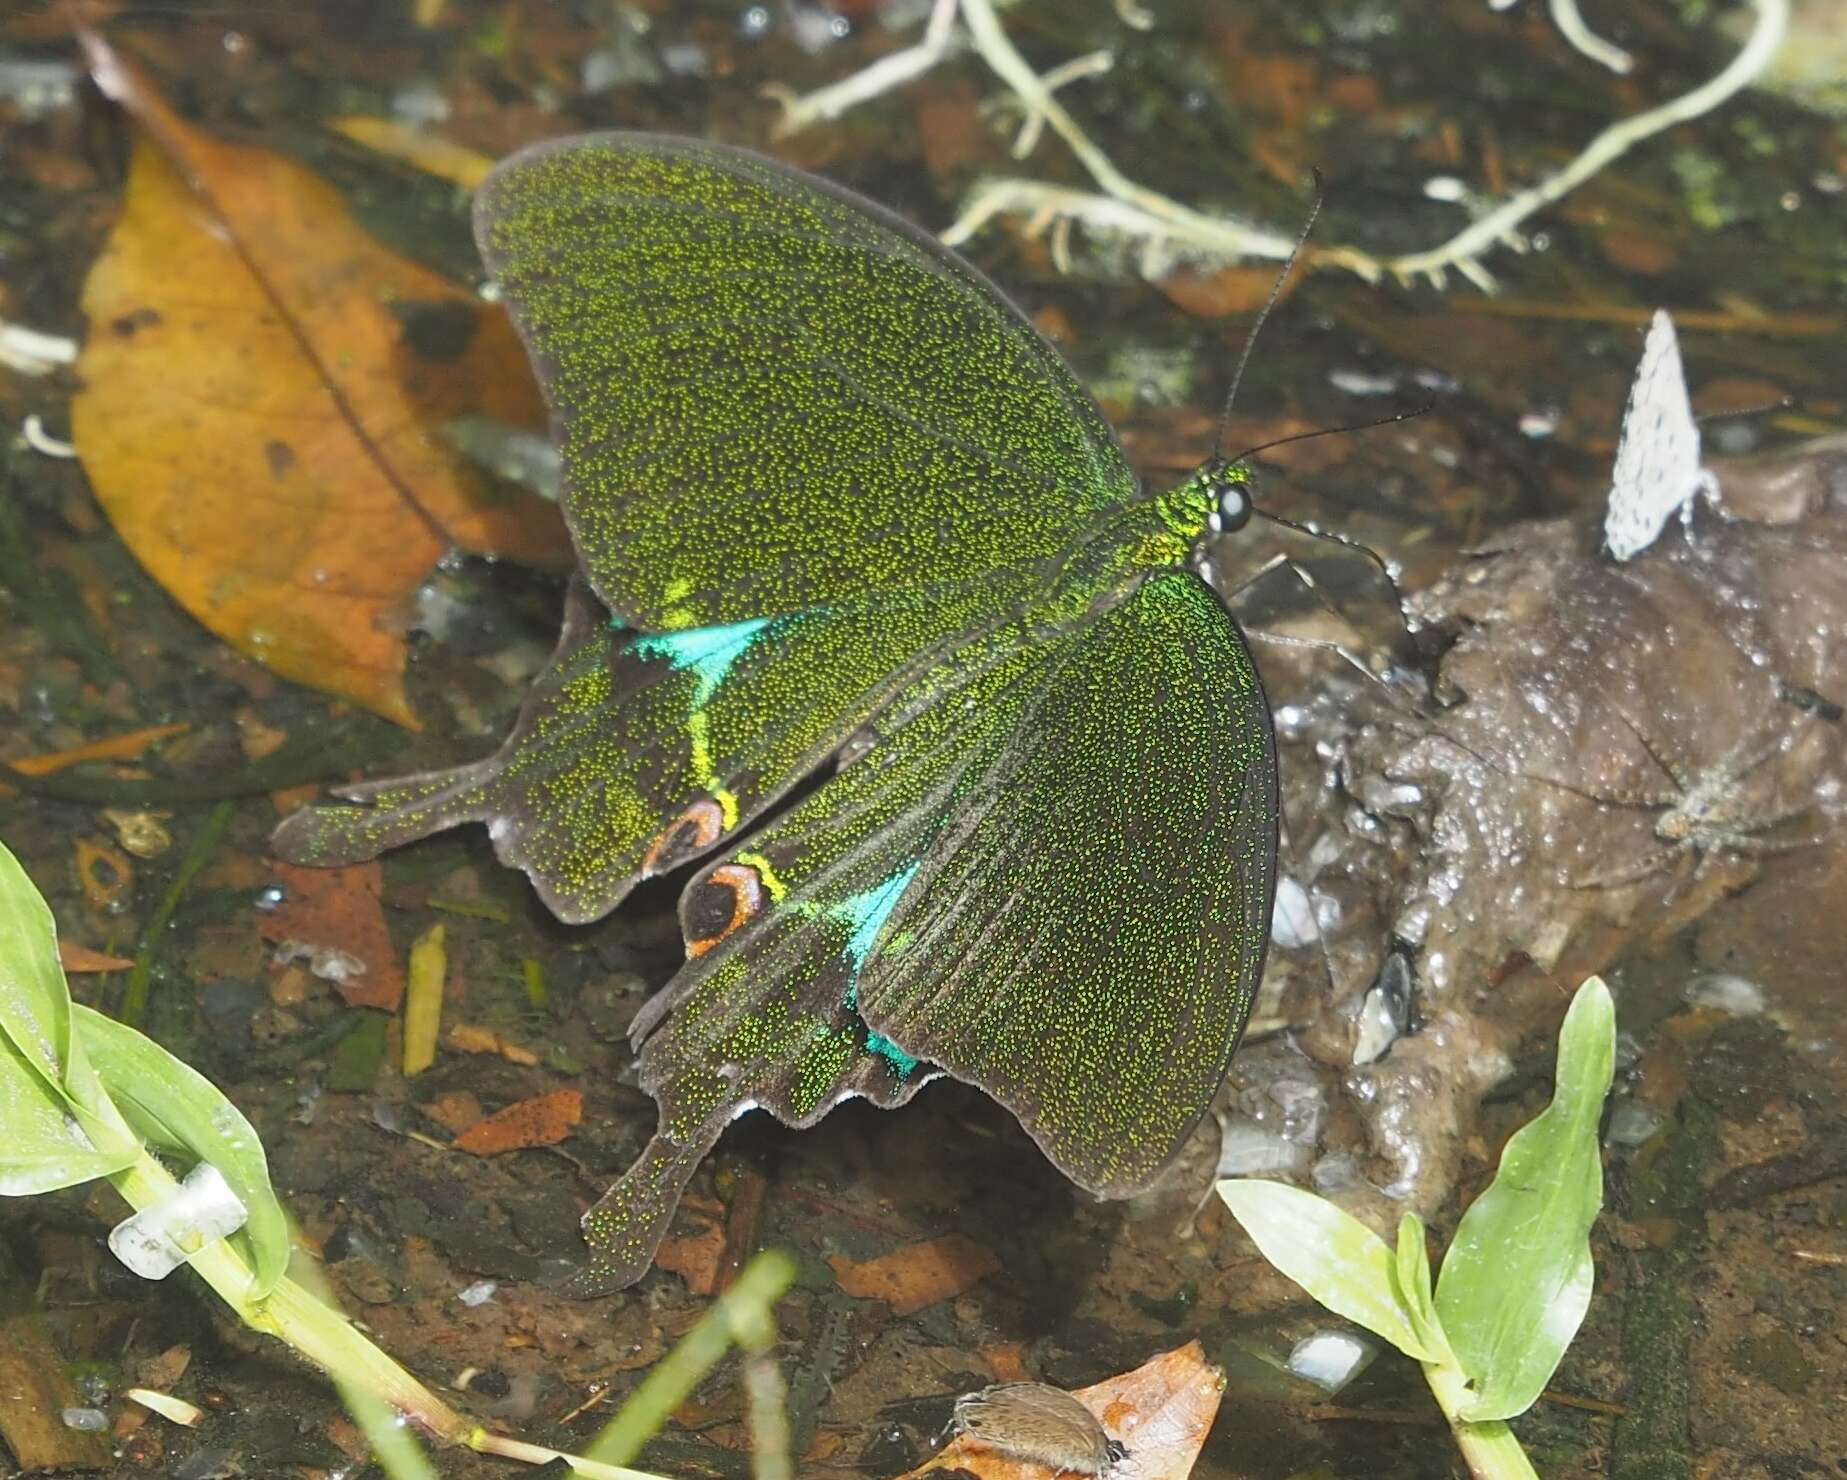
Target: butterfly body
{"x":837,"y":505}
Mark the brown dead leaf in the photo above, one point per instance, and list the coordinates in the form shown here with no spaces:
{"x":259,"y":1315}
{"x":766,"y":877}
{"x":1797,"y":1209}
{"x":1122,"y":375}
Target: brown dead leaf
{"x":340,"y":910}
{"x":917,"y":1275}
{"x":1220,"y":292}
{"x":263,"y":384}
{"x":76,"y":958}
{"x":543,"y":1120}
{"x":1160,"y":1413}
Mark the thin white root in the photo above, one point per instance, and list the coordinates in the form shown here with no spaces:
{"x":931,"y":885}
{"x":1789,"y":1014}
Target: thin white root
{"x":1497,"y":227}
{"x":799,"y":110}
{"x":1604,"y":53}
{"x":1135,"y":17}
{"x":1093,"y":64}
{"x":1169,"y":232}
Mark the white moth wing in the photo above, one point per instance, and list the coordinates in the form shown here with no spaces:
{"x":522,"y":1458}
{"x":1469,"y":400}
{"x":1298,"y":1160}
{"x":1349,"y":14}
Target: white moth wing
{"x":1658,"y":468}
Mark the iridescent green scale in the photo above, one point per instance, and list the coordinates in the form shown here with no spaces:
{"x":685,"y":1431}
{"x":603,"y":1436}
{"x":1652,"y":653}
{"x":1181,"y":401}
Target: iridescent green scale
{"x":837,"y":503}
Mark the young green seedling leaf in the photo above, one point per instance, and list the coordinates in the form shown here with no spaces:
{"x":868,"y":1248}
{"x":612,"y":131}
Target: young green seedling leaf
{"x":1330,"y":1254}
{"x":1517,"y":1279}
{"x":43,"y":1146}
{"x":56,"y":1123}
{"x":177,"y":1110}
{"x":1411,"y":1268}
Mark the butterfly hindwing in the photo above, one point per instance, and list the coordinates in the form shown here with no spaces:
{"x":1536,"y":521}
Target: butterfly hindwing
{"x":773,"y":396}
{"x":1085,"y":939}
{"x":635,"y":752}
{"x":1046,"y":858}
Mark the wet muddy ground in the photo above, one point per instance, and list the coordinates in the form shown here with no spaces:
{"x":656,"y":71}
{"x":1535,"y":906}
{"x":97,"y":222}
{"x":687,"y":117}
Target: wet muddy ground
{"x":1475,"y":833}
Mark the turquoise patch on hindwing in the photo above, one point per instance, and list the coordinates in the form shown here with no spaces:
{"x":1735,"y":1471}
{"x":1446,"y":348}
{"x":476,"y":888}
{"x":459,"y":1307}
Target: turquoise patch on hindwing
{"x":708,"y":652}
{"x":867,"y":913}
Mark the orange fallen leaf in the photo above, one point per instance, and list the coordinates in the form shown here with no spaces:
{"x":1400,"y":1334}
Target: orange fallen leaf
{"x":543,"y":1120}
{"x":694,"y":1257}
{"x":1160,"y":1413}
{"x":472,"y":1038}
{"x":76,"y":958}
{"x":455,"y":1112}
{"x":116,"y":748}
{"x":917,"y":1275}
{"x":104,"y":872}
{"x":263,"y":389}
{"x":1218,"y":293}
{"x":335,"y":918}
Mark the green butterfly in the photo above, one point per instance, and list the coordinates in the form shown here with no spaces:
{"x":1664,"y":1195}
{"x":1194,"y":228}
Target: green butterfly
{"x":842,"y":512}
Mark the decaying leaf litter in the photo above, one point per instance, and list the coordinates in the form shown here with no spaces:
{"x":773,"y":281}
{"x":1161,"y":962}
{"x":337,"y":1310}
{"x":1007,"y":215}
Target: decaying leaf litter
{"x":1058,"y":1273}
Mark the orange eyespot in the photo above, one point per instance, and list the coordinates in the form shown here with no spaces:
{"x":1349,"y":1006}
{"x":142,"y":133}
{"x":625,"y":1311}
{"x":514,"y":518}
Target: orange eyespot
{"x":698,"y":827}
{"x":718,"y":904}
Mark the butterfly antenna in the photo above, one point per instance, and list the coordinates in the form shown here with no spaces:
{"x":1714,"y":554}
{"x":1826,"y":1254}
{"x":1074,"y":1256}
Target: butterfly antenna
{"x":1276,"y":289}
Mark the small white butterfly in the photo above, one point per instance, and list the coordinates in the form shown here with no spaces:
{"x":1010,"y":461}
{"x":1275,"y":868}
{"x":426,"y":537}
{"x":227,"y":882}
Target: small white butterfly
{"x":1657,"y":460}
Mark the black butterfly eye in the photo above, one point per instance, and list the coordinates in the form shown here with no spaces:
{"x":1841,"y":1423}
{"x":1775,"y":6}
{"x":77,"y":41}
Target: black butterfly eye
{"x":1231,"y":502}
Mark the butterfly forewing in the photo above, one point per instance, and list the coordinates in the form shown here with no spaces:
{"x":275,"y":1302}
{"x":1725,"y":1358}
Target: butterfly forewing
{"x":773,"y":396}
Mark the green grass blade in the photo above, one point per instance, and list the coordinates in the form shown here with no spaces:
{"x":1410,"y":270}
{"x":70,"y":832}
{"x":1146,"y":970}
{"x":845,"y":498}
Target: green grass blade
{"x":1330,"y":1254}
{"x":176,"y":1109}
{"x":1517,"y":1279}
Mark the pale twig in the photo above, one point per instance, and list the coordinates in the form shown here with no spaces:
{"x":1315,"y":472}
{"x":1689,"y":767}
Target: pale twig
{"x":799,"y":110}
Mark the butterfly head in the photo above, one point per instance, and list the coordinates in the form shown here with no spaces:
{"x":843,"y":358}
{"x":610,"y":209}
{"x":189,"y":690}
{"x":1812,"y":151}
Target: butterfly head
{"x":1228,"y":488}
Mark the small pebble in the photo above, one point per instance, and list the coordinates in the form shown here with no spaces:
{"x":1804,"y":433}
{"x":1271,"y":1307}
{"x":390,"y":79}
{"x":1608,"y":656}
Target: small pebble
{"x":1292,"y":918}
{"x":1331,"y":1359}
{"x":1733,"y":994}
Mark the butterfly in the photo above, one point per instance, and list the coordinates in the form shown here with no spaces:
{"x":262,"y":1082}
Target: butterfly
{"x":1658,"y":468}
{"x":844,"y":517}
